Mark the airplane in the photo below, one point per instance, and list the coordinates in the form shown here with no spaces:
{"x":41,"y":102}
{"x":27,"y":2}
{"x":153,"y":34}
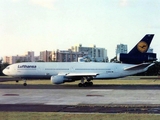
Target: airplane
{"x":61,"y":72}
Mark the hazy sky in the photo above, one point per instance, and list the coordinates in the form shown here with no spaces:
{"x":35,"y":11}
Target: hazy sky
{"x":39,"y":25}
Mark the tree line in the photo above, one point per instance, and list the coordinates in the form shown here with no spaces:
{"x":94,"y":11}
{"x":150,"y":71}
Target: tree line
{"x":152,"y":71}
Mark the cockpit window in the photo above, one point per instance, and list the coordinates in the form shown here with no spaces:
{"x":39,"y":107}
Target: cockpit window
{"x":7,"y":67}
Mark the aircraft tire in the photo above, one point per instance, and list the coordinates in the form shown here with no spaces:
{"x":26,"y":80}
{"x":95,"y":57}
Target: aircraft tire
{"x":85,"y":84}
{"x":90,"y":83}
{"x":80,"y":85}
{"x":25,"y":84}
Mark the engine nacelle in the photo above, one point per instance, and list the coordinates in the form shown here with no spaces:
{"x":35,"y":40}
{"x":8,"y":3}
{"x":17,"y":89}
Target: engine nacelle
{"x":58,"y":79}
{"x":137,"y":58}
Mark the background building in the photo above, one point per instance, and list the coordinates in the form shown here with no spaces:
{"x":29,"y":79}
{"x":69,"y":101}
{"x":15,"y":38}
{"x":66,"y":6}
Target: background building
{"x":150,"y":50}
{"x":30,"y":56}
{"x":94,"y":53}
{"x":27,"y":57}
{"x":45,"y":56}
{"x":67,"y":55}
{"x":121,"y":48}
{"x":70,"y":55}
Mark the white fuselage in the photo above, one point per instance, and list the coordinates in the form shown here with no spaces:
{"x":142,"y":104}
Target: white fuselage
{"x":40,"y":70}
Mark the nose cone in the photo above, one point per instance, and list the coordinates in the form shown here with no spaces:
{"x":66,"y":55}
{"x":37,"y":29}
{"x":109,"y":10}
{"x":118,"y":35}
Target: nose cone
{"x":4,"y":72}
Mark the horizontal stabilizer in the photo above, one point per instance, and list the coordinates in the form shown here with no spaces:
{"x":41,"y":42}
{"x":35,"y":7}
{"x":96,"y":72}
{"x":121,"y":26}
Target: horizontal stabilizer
{"x":81,"y":74}
{"x":139,"y":66}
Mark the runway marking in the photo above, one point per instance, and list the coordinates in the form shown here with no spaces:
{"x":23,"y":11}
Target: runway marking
{"x":95,"y":95}
{"x":11,"y":95}
{"x":101,"y":90}
{"x":55,"y":103}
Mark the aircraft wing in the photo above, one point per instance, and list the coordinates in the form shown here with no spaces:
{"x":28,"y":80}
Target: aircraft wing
{"x":139,"y":66}
{"x":81,"y":74}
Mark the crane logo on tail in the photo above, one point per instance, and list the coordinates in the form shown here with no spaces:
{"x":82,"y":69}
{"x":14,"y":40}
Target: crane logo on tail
{"x":142,"y":46}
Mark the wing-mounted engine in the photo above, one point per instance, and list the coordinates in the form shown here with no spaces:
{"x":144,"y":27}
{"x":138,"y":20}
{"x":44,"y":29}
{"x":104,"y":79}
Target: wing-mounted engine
{"x":58,"y":79}
{"x":136,"y":59}
{"x":62,"y":78}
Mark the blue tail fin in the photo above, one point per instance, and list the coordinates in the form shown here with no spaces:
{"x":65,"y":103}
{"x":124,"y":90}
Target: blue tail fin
{"x":138,"y":54}
{"x":143,"y":45}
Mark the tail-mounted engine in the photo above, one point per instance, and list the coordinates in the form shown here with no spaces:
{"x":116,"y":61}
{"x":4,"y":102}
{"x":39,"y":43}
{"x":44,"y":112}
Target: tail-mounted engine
{"x":137,"y":58}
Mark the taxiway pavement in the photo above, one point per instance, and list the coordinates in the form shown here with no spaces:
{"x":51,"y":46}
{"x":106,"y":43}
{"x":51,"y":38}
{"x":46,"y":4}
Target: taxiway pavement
{"x":71,"y":98}
{"x":79,"y":96}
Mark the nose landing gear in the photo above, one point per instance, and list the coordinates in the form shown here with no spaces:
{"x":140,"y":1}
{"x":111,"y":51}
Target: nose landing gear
{"x":25,"y":83}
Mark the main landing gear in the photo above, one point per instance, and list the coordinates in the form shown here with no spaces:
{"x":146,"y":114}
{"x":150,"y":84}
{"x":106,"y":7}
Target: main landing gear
{"x":85,"y":84}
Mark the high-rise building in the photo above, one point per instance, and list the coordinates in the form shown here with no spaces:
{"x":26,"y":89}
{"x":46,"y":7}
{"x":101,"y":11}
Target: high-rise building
{"x":94,"y":53}
{"x":121,"y":48}
{"x":150,"y":50}
{"x":66,"y":55}
{"x":27,"y":57}
{"x":30,"y":56}
{"x":45,"y":56}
